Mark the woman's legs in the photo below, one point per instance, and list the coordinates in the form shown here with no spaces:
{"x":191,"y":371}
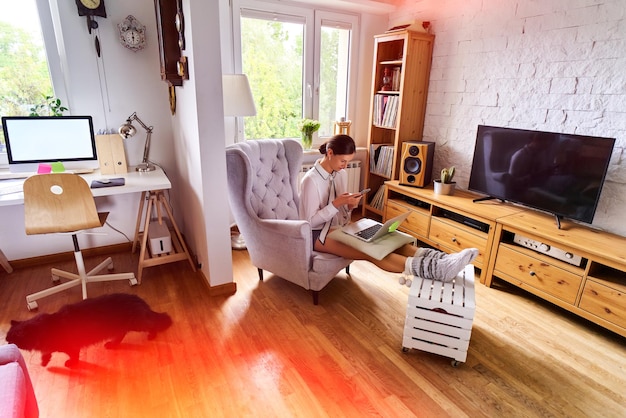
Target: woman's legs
{"x":424,"y":262}
{"x":393,"y":263}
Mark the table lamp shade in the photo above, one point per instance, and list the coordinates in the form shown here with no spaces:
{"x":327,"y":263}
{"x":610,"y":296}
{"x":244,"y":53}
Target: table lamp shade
{"x":238,"y":99}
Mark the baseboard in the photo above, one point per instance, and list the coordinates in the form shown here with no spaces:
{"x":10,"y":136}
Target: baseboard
{"x":69,"y":255}
{"x":106,"y":250}
{"x":223,"y":289}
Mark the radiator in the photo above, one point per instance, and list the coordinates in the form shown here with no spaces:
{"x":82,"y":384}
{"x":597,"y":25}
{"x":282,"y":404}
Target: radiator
{"x":354,"y":175}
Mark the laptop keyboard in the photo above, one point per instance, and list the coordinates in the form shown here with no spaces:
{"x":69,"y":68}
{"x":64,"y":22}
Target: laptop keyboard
{"x":369,"y":232}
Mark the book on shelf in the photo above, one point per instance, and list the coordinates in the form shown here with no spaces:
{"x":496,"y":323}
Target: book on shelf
{"x":395,"y":78}
{"x":378,"y":200}
{"x":385,"y":110}
{"x":381,"y":159}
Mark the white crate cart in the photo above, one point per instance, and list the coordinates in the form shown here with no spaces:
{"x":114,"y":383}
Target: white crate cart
{"x":439,"y":316}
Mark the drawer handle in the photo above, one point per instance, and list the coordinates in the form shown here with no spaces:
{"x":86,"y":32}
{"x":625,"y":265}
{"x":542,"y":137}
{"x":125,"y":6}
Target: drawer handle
{"x":532,"y":273}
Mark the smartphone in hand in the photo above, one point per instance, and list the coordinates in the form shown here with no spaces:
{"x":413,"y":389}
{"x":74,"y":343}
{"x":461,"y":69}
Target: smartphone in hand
{"x":364,"y":191}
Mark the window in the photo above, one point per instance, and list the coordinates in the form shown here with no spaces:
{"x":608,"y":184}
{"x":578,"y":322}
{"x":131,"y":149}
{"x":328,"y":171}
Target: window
{"x":25,"y":71}
{"x":298,"y":63}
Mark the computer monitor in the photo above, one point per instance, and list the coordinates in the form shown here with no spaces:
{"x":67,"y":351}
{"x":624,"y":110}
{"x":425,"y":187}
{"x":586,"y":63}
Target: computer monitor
{"x":32,"y":140}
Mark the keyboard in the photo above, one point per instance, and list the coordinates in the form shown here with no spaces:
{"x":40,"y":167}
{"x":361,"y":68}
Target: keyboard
{"x":11,"y":187}
{"x":369,"y":232}
{"x":7,"y":175}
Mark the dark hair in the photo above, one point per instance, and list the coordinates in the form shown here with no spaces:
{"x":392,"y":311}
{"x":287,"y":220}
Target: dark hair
{"x":340,"y":144}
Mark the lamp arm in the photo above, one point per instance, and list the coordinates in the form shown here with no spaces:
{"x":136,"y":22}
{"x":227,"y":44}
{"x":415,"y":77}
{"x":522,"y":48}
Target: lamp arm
{"x":146,"y":148}
{"x":139,"y":121}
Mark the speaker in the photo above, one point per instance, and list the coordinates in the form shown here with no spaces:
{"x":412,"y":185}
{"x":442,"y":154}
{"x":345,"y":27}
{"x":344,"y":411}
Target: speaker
{"x":416,"y":163}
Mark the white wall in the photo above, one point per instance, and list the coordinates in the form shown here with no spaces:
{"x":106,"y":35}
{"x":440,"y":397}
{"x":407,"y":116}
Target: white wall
{"x":109,"y":88}
{"x":553,"y":65}
{"x":200,"y":136}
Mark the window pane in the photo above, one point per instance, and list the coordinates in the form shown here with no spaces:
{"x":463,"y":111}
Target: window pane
{"x":334,"y":53}
{"x":24,"y":76}
{"x":272,"y":58}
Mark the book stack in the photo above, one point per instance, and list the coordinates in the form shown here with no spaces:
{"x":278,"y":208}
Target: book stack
{"x":385,"y":110}
{"x":381,"y":159}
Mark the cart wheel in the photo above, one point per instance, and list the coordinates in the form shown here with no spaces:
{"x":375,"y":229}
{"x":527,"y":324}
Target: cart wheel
{"x":32,"y":305}
{"x":455,"y":363}
{"x":133,"y":281}
{"x":405,"y":349}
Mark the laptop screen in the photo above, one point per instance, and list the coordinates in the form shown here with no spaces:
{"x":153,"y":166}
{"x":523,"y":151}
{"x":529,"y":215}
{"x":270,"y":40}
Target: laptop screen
{"x":48,"y":139}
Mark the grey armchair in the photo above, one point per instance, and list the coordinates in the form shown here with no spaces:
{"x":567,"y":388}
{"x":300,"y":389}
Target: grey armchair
{"x":262,"y":184}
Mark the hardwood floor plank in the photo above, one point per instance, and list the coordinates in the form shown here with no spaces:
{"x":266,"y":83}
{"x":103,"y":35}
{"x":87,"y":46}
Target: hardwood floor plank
{"x":267,"y":351}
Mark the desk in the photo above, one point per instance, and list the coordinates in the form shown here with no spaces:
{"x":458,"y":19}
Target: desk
{"x":151,"y":186}
{"x":135,"y":182}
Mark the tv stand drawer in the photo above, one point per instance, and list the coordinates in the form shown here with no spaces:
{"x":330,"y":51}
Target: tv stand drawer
{"x":535,"y":274}
{"x":454,"y":238}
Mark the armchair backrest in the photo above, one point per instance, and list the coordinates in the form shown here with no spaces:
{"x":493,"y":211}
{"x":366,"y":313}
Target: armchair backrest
{"x":265,"y":174}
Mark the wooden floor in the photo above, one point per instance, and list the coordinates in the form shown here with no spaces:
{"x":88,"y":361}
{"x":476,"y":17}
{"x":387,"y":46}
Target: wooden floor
{"x":267,"y":351}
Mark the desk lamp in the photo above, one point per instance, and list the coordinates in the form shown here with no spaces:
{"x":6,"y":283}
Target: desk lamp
{"x":127,"y":130}
{"x":238,"y":101}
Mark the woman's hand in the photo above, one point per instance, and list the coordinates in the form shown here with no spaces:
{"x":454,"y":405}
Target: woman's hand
{"x":351,"y":200}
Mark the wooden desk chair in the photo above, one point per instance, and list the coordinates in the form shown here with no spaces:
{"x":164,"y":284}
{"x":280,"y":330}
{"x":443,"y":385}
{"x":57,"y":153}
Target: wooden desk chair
{"x":63,"y":203}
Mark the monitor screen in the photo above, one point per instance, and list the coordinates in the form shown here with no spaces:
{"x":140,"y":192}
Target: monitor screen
{"x":48,"y":139}
{"x":562,"y":174}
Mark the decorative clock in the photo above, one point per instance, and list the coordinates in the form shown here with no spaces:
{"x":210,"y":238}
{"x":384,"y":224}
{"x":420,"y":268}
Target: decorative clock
{"x":91,"y":8}
{"x":168,"y":37}
{"x":132,"y":34}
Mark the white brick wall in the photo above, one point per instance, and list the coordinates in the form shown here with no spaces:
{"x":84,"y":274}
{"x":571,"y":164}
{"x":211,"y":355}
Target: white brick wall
{"x":552,"y":65}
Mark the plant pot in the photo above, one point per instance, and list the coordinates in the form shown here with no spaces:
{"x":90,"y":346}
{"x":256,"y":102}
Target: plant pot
{"x":444,"y":188}
{"x":307,"y":140}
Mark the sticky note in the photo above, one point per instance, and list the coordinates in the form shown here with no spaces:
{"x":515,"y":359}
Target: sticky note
{"x":394,"y":226}
{"x":57,"y":167}
{"x":44,"y":168}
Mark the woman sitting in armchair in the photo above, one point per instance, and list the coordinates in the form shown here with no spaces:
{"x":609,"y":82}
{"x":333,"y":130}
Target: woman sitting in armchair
{"x":326,"y":204}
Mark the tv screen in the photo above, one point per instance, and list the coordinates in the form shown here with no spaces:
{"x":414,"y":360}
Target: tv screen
{"x":558,"y":173}
{"x":48,"y":139}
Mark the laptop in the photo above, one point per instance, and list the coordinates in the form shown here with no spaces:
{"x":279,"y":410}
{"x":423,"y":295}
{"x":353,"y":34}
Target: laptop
{"x":369,"y":230}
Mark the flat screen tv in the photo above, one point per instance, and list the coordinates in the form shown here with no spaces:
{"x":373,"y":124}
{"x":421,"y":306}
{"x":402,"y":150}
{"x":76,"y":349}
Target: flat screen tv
{"x":557,"y":173}
{"x":31,"y":140}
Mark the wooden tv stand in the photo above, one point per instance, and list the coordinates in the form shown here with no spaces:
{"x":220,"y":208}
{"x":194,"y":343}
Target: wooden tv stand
{"x":595,"y":289}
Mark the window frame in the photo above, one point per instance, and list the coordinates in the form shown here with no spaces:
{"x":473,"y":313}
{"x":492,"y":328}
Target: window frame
{"x":313,"y":20}
{"x":49,"y":20}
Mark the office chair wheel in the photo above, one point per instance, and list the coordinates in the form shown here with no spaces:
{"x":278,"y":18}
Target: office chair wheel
{"x":32,"y":305}
{"x":133,"y":281}
{"x":110,"y":266}
{"x":56,"y":280}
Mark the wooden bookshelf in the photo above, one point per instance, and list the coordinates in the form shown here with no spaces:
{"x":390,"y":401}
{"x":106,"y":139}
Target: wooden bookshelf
{"x":401,"y":71}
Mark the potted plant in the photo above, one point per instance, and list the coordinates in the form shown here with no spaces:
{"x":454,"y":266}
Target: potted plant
{"x":307,"y":128}
{"x":445,"y":185}
{"x":52,"y":106}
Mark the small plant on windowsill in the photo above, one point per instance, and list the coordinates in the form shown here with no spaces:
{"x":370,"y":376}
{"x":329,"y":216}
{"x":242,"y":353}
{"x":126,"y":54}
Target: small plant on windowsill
{"x":445,"y":185}
{"x":52,"y":106}
{"x":308,"y":127}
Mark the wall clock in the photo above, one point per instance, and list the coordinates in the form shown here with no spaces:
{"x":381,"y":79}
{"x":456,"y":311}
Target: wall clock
{"x":168,"y":37}
{"x":91,"y":8}
{"x":132,"y":34}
